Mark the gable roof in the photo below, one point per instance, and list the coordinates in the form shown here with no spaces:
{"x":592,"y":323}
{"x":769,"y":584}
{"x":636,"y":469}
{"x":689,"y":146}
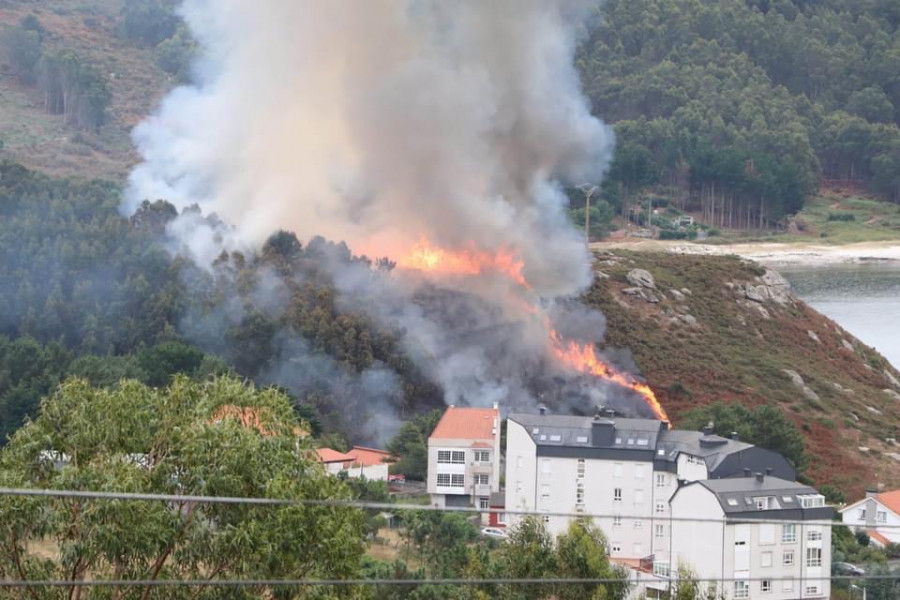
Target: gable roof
{"x":878,"y":537}
{"x":736,"y":497}
{"x":368,"y":457}
{"x":466,"y":423}
{"x":890,"y":500}
{"x":577,"y":432}
{"x":327,"y":455}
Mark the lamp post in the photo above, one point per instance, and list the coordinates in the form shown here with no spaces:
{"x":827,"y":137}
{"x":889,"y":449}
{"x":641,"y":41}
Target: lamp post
{"x":854,"y":586}
{"x":588,"y":190}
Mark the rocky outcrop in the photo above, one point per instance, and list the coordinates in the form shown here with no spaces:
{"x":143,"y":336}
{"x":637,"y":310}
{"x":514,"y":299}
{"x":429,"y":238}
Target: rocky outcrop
{"x":641,"y":278}
{"x":769,"y":286}
{"x":893,"y":380}
{"x":892,"y":394}
{"x":798,"y":381}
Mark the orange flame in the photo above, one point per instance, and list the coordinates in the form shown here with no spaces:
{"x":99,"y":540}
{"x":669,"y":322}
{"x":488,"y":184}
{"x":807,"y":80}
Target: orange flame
{"x":425,"y":257}
{"x":583,"y":358}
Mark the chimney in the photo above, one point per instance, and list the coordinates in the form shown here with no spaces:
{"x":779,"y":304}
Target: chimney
{"x":760,"y":477}
{"x":768,"y":471}
{"x":602,"y":432}
{"x":871,"y":492}
{"x":542,"y":410}
{"x":709,"y":429}
{"x":610,"y":413}
{"x":735,"y":436}
{"x":746,"y":472}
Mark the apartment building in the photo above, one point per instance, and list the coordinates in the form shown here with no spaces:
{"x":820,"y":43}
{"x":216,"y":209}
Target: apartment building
{"x":464,"y":457}
{"x":761,"y":536}
{"x":625,"y":469}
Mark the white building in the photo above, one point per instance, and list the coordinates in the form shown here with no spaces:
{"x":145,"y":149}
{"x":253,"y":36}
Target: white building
{"x":878,"y":514}
{"x":464,"y":457}
{"x":360,"y":461}
{"x":627,"y":469}
{"x":737,"y":539}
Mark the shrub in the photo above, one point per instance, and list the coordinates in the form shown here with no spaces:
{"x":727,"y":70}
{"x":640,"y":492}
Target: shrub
{"x":841,"y":216}
{"x":21,"y":48}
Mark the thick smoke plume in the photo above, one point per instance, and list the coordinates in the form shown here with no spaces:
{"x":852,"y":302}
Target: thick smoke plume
{"x":384,"y":123}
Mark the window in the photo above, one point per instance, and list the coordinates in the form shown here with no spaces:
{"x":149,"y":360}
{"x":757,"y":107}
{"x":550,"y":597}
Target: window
{"x":811,"y":500}
{"x":638,"y":524}
{"x":643,"y":442}
{"x":787,"y":559}
{"x":579,"y":493}
{"x":545,"y":491}
{"x":501,"y":518}
{"x":518,"y":487}
{"x":732,"y":502}
{"x":458,"y":457}
{"x":661,"y":569}
{"x":765,"y":559}
{"x":660,"y":507}
{"x":814,"y":535}
{"x":631,"y":441}
{"x":661,"y":480}
{"x":443,"y":457}
{"x":639,"y":471}
{"x":882,"y":516}
{"x":862,"y":514}
{"x":555,"y":438}
{"x":546,"y":519}
{"x":617,"y":521}
{"x":443,"y":479}
{"x":482,"y":456}
{"x":482,"y":479}
{"x":617,"y":470}
{"x":581,"y":439}
{"x":457,"y":481}
{"x":581,"y":468}
{"x":638,"y":497}
{"x":546,"y":466}
{"x":617,"y":494}
{"x":765,"y":586}
{"x":659,"y":531}
{"x":618,"y":441}
{"x":813,"y":557}
{"x":535,"y":431}
{"x":741,"y":590}
{"x":616,"y":547}
{"x":787,"y":499}
{"x":787,"y":584}
{"x":812,"y":588}
{"x":518,"y":462}
{"x":483,"y":503}
{"x":788,"y":534}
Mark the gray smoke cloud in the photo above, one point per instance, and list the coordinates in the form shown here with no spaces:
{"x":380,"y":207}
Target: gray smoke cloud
{"x":383,"y":122}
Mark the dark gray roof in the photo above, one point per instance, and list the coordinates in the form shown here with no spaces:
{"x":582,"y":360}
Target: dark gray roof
{"x":568,"y":431}
{"x":712,"y":448}
{"x":737,"y":495}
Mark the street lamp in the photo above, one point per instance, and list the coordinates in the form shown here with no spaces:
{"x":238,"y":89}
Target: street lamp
{"x":856,"y":587}
{"x":588,"y":190}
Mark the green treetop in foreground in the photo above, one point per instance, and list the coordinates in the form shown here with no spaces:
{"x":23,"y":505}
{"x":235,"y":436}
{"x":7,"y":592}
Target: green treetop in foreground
{"x":177,"y":440}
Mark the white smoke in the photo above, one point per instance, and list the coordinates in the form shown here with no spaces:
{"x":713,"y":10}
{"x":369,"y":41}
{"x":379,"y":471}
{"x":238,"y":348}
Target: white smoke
{"x":381,"y":121}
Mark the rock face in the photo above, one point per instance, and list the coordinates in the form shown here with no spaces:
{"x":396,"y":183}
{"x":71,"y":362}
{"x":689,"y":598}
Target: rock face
{"x":641,"y":278}
{"x":813,"y":336}
{"x":798,"y":381}
{"x":777,"y":286}
{"x":892,"y":379}
{"x":892,"y":394}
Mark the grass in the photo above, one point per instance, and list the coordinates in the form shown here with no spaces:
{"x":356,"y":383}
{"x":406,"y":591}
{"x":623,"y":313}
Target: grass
{"x":738,"y":355}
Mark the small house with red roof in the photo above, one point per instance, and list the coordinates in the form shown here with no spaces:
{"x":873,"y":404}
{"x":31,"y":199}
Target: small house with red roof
{"x":359,"y":461}
{"x":878,"y":514}
{"x":464,"y":457}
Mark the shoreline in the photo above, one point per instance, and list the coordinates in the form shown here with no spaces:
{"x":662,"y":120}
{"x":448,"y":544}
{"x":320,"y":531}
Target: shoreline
{"x":771,"y":253}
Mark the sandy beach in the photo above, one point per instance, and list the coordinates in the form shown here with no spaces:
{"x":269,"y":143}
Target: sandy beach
{"x":770,"y":253}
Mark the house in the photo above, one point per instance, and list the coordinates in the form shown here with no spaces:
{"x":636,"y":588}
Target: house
{"x":627,"y":469}
{"x":761,"y":536}
{"x":878,"y":514}
{"x":360,"y":461}
{"x":464,"y":457}
{"x":497,"y":504}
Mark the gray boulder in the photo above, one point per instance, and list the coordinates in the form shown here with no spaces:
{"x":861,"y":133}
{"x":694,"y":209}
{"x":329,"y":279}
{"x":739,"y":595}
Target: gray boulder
{"x":641,"y":278}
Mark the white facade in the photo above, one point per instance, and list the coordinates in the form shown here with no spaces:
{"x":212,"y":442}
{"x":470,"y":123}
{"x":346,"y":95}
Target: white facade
{"x":465,"y":471}
{"x":762,"y":560}
{"x":873,"y":515}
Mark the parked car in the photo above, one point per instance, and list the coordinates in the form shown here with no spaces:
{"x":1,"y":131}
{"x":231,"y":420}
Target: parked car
{"x":494,"y":532}
{"x":396,"y":478}
{"x":843,"y":568}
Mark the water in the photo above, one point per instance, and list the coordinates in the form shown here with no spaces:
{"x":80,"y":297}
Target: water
{"x":864,"y":299}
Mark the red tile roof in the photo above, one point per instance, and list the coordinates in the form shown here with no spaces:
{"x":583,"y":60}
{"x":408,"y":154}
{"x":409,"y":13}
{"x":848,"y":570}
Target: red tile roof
{"x":466,"y":423}
{"x":368,"y":457}
{"x":891,"y":500}
{"x":878,"y":537}
{"x":327,"y":455}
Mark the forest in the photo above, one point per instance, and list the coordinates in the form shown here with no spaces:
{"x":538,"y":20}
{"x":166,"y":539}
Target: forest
{"x":738,"y":109}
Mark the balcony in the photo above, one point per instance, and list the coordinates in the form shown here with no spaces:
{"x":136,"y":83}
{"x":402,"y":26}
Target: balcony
{"x":482,"y":490}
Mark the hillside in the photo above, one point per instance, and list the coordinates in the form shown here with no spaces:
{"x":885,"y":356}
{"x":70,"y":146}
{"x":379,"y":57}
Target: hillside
{"x":40,"y":140}
{"x":708,"y":337}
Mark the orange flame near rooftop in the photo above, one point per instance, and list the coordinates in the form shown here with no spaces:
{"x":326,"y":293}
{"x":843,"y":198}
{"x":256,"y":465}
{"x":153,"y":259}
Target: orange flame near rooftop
{"x":582,"y":358}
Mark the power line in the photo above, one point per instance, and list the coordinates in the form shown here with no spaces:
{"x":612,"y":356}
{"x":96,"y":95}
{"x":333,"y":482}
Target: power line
{"x":407,"y":582}
{"x":388,"y":506}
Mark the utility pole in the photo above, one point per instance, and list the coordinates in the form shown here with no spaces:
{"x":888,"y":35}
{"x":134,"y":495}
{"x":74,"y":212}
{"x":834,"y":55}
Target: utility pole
{"x":588,"y":190}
